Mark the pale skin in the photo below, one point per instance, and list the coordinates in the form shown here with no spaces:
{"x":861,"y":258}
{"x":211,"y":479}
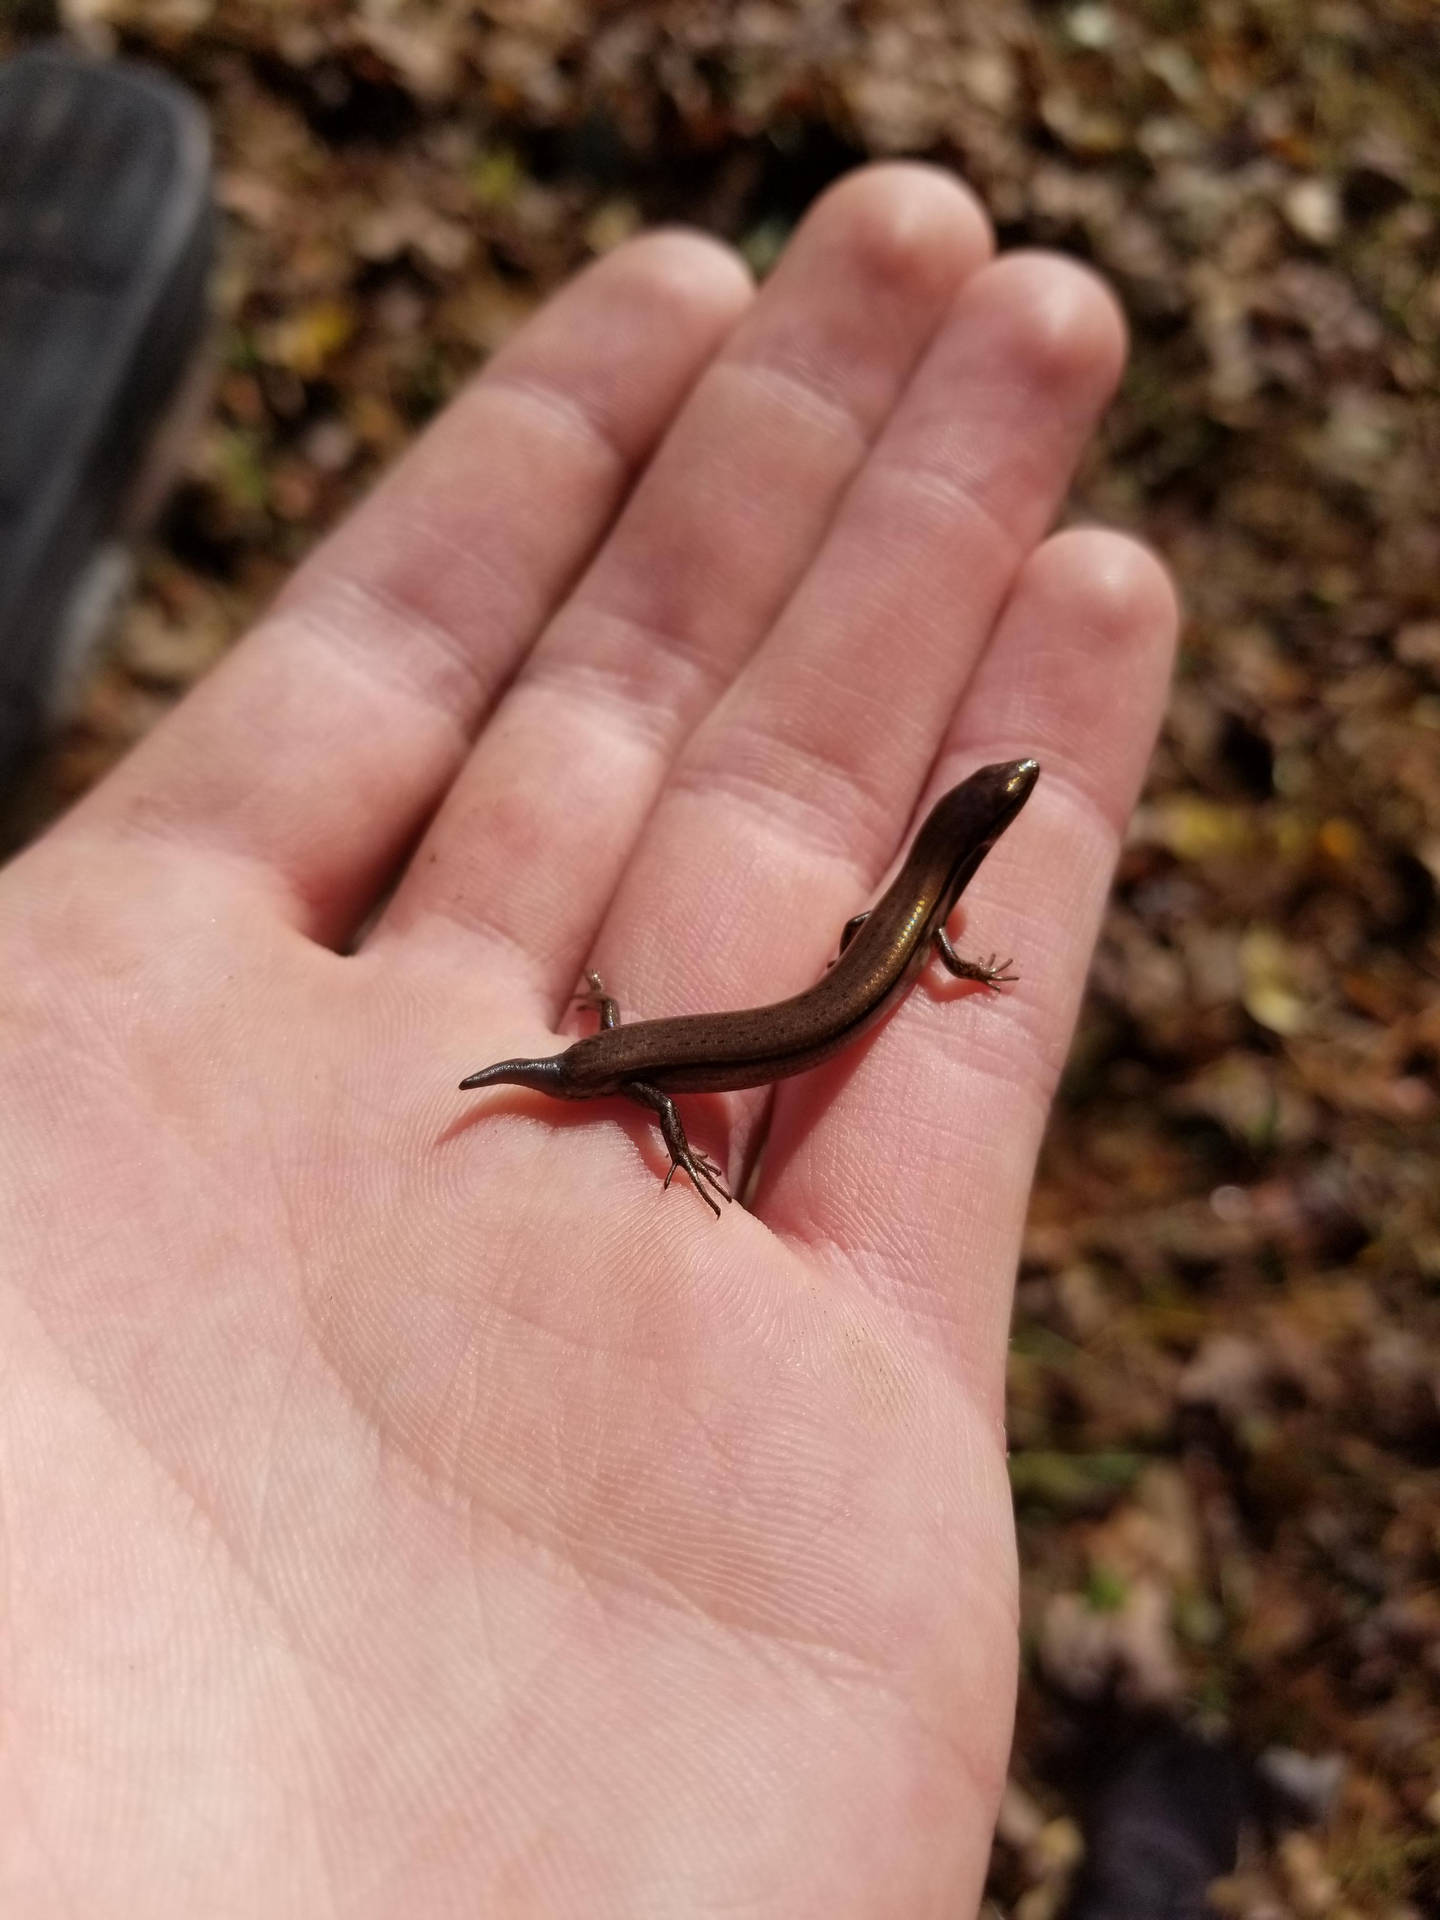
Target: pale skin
{"x":406,"y":1506}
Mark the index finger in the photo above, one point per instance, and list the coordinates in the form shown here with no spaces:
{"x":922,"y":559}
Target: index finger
{"x":307,"y":762}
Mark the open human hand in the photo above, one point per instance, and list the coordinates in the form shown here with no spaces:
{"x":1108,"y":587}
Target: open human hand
{"x":406,"y":1506}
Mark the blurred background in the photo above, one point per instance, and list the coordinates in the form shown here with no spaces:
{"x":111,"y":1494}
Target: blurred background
{"x":1225,"y":1383}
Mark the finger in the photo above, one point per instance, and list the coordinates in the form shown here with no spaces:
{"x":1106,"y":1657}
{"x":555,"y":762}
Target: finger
{"x":527,"y":851}
{"x":312,"y":755}
{"x":791,"y":799}
{"x":907,"y":1164}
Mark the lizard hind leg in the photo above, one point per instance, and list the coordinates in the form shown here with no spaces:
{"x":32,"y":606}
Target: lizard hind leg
{"x":601,"y":1001}
{"x":990,"y":973}
{"x":703,"y":1173}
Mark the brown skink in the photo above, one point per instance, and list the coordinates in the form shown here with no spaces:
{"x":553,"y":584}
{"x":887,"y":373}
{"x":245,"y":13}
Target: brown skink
{"x":881,"y":954}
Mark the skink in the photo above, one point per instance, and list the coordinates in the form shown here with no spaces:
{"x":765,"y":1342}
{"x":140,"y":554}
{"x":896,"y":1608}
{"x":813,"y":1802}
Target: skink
{"x":881,"y":954}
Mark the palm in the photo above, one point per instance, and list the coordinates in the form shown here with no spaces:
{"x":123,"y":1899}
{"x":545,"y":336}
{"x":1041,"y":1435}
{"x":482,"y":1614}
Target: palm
{"x":407,"y":1506}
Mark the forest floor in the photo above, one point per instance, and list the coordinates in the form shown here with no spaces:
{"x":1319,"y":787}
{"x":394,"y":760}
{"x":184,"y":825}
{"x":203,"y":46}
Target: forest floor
{"x":1225,"y":1384}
